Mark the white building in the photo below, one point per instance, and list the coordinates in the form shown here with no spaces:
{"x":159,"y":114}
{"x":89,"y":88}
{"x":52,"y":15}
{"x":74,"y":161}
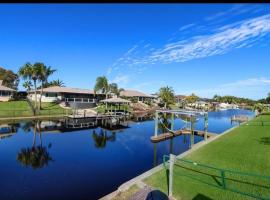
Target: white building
{"x":58,"y":94}
{"x":5,"y":92}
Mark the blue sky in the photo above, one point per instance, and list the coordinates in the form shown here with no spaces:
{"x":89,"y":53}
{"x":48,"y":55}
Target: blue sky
{"x":203,"y":48}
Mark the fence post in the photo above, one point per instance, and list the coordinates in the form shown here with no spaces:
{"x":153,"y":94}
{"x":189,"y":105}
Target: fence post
{"x":172,"y":159}
{"x":223,"y":178}
{"x":156,"y":124}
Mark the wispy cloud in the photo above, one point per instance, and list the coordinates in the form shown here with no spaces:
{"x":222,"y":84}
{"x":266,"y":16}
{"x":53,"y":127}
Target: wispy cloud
{"x":236,"y":35}
{"x":121,"y":79}
{"x":246,"y":88}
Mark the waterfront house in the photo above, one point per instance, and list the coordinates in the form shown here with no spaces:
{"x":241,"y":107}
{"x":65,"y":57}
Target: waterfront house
{"x":136,"y":96}
{"x":5,"y":92}
{"x":66,"y":94}
{"x":225,"y":106}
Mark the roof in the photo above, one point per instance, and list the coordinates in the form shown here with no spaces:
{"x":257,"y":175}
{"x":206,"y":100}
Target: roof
{"x":59,"y":89}
{"x":115,"y":100}
{"x":4,"y":88}
{"x":133,"y":93}
{"x":180,"y":96}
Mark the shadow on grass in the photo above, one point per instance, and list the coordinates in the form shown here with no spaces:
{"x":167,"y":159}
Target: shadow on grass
{"x":201,"y":197}
{"x":265,"y":140}
{"x":167,"y":178}
{"x":156,"y":195}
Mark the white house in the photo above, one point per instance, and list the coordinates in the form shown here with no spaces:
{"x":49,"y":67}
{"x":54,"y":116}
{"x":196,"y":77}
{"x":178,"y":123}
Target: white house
{"x":58,"y":94}
{"x":5,"y":92}
{"x":139,"y":96}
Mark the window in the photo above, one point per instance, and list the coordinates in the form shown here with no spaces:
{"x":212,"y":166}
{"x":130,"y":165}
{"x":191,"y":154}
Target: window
{"x":51,"y":94}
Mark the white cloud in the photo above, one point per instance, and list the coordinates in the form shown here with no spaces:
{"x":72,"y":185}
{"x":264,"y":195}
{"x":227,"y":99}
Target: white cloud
{"x":250,"y":88}
{"x":121,"y":79}
{"x":226,"y":38}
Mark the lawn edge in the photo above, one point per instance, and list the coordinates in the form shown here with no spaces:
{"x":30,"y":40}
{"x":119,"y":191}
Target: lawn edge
{"x":138,"y":180}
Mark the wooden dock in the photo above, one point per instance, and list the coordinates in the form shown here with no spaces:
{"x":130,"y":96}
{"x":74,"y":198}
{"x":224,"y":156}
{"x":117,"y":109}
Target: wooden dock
{"x":239,"y":118}
{"x":166,"y":136}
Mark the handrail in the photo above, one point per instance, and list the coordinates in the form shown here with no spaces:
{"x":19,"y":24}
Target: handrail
{"x":223,"y":177}
{"x":82,"y":100}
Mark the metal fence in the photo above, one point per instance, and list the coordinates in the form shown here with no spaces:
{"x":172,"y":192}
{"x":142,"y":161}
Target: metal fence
{"x":247,"y":184}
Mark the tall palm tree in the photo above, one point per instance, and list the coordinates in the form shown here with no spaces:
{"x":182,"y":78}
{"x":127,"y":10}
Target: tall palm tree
{"x":102,"y":85}
{"x":56,"y":83}
{"x":44,"y":73}
{"x":27,"y":85}
{"x":113,"y":87}
{"x":167,"y":95}
{"x":30,"y":72}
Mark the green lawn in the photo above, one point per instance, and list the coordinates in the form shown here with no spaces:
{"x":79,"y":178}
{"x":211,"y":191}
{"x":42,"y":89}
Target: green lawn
{"x":244,"y":149}
{"x":22,"y":109}
{"x":53,"y":109}
{"x":15,"y":109}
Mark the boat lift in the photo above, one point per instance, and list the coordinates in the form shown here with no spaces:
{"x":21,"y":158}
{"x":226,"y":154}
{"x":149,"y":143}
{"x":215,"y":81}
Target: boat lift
{"x":191,"y":115}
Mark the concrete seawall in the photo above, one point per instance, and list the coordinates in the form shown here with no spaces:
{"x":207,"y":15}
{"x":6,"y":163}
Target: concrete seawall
{"x":139,"y":179}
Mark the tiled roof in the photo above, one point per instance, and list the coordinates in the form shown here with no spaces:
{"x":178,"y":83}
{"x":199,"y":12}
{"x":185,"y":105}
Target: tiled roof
{"x":133,"y":93}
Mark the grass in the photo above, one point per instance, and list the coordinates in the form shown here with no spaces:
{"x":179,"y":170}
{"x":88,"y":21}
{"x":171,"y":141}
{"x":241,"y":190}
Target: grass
{"x":22,"y":109}
{"x":53,"y":109}
{"x":126,"y":194}
{"x":15,"y":109}
{"x":244,"y":149}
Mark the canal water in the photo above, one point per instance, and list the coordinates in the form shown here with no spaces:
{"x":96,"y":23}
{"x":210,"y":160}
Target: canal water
{"x":47,"y":160}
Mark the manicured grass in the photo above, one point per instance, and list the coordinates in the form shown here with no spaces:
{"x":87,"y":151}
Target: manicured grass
{"x":22,"y":109}
{"x":244,"y":149}
{"x":15,"y":109}
{"x":53,"y":109}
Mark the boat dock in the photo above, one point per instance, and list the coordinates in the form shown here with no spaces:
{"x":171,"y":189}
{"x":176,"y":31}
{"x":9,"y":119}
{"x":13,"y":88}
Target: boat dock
{"x":239,"y":118}
{"x":168,"y":135}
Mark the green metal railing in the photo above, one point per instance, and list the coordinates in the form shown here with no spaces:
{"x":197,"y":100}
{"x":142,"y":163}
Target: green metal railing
{"x":256,"y":185}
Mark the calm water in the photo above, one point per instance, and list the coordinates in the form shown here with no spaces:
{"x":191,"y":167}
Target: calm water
{"x":87,"y":163}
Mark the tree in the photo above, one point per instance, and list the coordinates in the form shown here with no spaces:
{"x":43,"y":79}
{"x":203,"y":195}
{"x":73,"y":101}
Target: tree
{"x":10,"y":79}
{"x":167,"y":95}
{"x":113,"y":87}
{"x":192,"y":98}
{"x":56,"y":83}
{"x":44,"y":73}
{"x":259,"y":107}
{"x":27,"y":85}
{"x":102,"y":85}
{"x":30,"y":72}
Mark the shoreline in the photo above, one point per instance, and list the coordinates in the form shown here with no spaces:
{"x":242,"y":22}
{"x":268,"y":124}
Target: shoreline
{"x":138,"y":180}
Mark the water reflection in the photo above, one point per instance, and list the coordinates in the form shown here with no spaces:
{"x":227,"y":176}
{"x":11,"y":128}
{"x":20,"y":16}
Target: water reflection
{"x":36,"y":156}
{"x":102,"y":137}
{"x":7,"y":130}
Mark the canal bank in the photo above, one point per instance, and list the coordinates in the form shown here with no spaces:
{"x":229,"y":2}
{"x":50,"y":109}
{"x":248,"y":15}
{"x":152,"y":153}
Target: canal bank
{"x":139,"y":180}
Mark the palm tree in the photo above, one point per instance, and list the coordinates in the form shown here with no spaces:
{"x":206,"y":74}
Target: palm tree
{"x":44,"y":73}
{"x":56,"y":83}
{"x":113,"y":87}
{"x":102,"y":85}
{"x":27,"y":85}
{"x":167,"y":95}
{"x":30,"y":72}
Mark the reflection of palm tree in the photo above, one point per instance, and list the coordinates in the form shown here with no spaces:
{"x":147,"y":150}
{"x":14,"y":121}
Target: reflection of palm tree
{"x":35,"y":156}
{"x":101,"y":138}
